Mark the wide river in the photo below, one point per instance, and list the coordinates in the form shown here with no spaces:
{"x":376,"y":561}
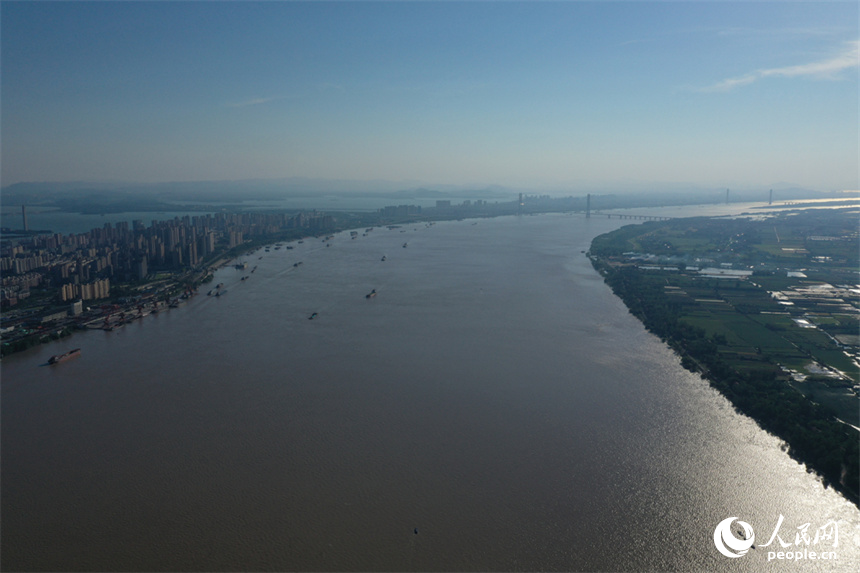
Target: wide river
{"x":495,"y":397}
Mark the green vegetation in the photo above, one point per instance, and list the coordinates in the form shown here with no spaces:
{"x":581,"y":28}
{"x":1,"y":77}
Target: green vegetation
{"x":777,"y":346}
{"x":33,"y":339}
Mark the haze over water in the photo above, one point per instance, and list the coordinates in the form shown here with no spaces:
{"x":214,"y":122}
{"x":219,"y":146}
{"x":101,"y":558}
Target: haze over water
{"x":495,"y":395}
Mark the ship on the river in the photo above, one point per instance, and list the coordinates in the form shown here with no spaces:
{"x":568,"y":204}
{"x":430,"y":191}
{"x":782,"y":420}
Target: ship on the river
{"x":57,"y":358}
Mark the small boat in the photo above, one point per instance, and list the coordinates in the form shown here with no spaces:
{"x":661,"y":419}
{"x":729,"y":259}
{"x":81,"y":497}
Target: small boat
{"x":297,"y":264}
{"x":371,"y":294}
{"x":57,"y":358}
{"x":404,"y":245}
{"x":313,"y":316}
{"x":383,"y":258}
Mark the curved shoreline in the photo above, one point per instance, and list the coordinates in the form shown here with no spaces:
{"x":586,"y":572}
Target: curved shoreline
{"x":814,"y":435}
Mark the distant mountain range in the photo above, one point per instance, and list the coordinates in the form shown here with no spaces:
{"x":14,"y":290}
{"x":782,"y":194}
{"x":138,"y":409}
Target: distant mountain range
{"x":242,"y":190}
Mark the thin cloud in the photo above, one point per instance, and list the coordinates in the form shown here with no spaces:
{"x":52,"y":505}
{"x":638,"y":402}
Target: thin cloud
{"x":731,"y":83}
{"x":824,"y":69}
{"x":777,"y":32}
{"x":253,"y":101}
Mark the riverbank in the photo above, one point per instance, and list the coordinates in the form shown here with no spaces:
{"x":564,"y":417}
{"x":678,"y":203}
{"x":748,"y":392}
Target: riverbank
{"x":676,"y":305}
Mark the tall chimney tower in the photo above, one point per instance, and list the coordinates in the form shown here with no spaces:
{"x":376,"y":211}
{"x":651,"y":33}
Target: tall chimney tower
{"x":727,"y":196}
{"x":588,"y":206}
{"x":770,"y":199}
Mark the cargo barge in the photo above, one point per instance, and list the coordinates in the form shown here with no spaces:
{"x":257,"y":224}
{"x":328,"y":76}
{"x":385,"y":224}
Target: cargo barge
{"x":57,"y":358}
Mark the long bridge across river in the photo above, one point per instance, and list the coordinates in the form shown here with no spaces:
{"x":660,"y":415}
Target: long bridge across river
{"x":641,"y":217}
{"x":619,"y":215}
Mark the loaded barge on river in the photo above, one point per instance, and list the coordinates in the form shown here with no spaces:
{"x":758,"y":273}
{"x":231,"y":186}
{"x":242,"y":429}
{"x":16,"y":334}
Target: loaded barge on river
{"x":57,"y":358}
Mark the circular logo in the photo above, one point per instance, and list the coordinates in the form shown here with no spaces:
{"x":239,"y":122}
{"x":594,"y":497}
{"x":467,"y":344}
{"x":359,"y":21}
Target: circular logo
{"x":728,"y":544}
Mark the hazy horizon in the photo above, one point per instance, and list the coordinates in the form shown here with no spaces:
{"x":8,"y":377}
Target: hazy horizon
{"x":540,"y":96}
{"x":391,"y":190}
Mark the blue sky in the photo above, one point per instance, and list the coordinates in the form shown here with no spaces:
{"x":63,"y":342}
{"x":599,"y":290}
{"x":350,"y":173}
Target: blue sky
{"x":536,"y":95}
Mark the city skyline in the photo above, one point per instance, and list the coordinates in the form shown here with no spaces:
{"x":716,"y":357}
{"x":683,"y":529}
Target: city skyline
{"x":514,"y":94}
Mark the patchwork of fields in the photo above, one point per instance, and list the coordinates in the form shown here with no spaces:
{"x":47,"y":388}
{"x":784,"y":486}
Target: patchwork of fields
{"x":797,"y":314}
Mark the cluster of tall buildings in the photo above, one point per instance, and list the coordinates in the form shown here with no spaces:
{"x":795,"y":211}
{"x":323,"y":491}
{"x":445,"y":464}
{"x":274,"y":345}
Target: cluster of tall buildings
{"x":82,"y":265}
{"x":90,"y":291}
